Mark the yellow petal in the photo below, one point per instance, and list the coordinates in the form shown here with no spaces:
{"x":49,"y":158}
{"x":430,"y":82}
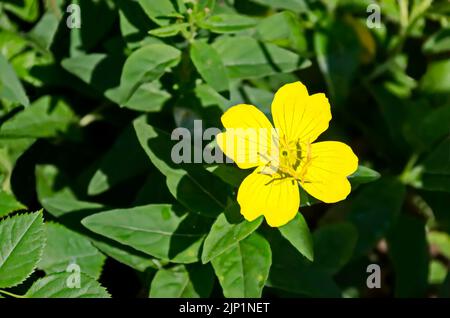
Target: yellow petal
{"x":299,"y":115}
{"x":249,"y":137}
{"x":326,"y":172}
{"x":277,"y":199}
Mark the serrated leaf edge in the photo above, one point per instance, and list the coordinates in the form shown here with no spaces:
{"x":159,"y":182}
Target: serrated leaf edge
{"x":44,"y":242}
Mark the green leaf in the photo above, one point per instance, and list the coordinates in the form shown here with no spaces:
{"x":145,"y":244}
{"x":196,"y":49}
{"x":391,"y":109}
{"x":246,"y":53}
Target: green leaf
{"x":187,"y":183}
{"x":283,"y":29}
{"x":298,"y":234}
{"x":293,"y":273}
{"x":158,"y":11}
{"x":227,"y":230}
{"x":228,"y":23}
{"x":441,"y":241}
{"x":260,"y":97}
{"x":27,"y":10}
{"x":59,"y":286}
{"x":374,"y":210}
{"x":433,"y":127}
{"x":444,"y":291}
{"x":245,"y":57}
{"x":338,"y":50}
{"x":408,"y":245}
{"x":294,"y":5}
{"x":439,"y":203}
{"x":209,"y":97}
{"x":44,"y":31}
{"x":190,"y":281}
{"x":146,"y":65}
{"x":243,"y":269}
{"x":126,"y":255}
{"x":436,"y":80}
{"x":126,"y":151}
{"x":9,"y":204}
{"x":203,"y":4}
{"x":229,"y":174}
{"x":46,"y":117}
{"x":10,"y":86}
{"x":168,"y":31}
{"x":134,"y":23}
{"x":149,"y":97}
{"x":23,"y":240}
{"x":391,"y":116}
{"x":439,"y":42}
{"x":334,"y":245}
{"x":306,"y":199}
{"x":437,"y":273}
{"x":435,"y":169}
{"x":85,"y":38}
{"x":210,"y":66}
{"x":11,"y":44}
{"x":363,"y":175}
{"x":157,"y":230}
{"x":100,"y":71}
{"x":65,"y":247}
{"x":63,"y":201}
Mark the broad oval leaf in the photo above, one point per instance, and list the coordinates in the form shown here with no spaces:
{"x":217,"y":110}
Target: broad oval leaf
{"x":284,"y":29}
{"x":98,"y":70}
{"x":158,"y":11}
{"x":126,"y":255}
{"x":228,"y":23}
{"x":334,"y":245}
{"x":157,"y":230}
{"x":183,"y":281}
{"x":294,"y":5}
{"x":170,"y":30}
{"x":436,"y":80}
{"x":245,"y":57}
{"x":60,"y":286}
{"x":210,"y":66}
{"x":9,"y":204}
{"x":149,"y":97}
{"x":363,"y":175}
{"x":439,"y":42}
{"x":298,"y":234}
{"x":10,"y":86}
{"x":65,"y":247}
{"x":226,"y":231}
{"x":23,"y":240}
{"x":63,"y":201}
{"x":293,"y":273}
{"x":131,"y":156}
{"x":408,"y":245}
{"x":243,"y":269}
{"x":196,"y":188}
{"x":146,"y":65}
{"x":374,"y":210}
{"x":46,"y":117}
{"x":434,"y":171}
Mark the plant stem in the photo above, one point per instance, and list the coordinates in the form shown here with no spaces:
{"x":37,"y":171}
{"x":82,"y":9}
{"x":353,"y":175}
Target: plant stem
{"x":404,"y":14}
{"x":53,"y":6}
{"x":11,"y":294}
{"x":408,"y":167}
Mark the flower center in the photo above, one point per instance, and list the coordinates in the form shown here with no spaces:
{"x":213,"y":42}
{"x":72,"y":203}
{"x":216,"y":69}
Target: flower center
{"x":292,"y":160}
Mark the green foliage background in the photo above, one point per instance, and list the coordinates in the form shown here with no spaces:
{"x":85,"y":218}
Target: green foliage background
{"x":85,"y":122}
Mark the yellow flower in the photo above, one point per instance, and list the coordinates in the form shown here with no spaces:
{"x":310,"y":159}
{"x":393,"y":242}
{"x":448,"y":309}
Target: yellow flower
{"x":285,"y":156}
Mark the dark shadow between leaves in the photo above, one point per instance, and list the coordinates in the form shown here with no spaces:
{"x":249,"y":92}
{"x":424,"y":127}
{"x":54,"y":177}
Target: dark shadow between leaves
{"x":233,"y":214}
{"x":195,"y":187}
{"x":189,"y":232}
{"x":201,"y":277}
{"x":136,"y":16}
